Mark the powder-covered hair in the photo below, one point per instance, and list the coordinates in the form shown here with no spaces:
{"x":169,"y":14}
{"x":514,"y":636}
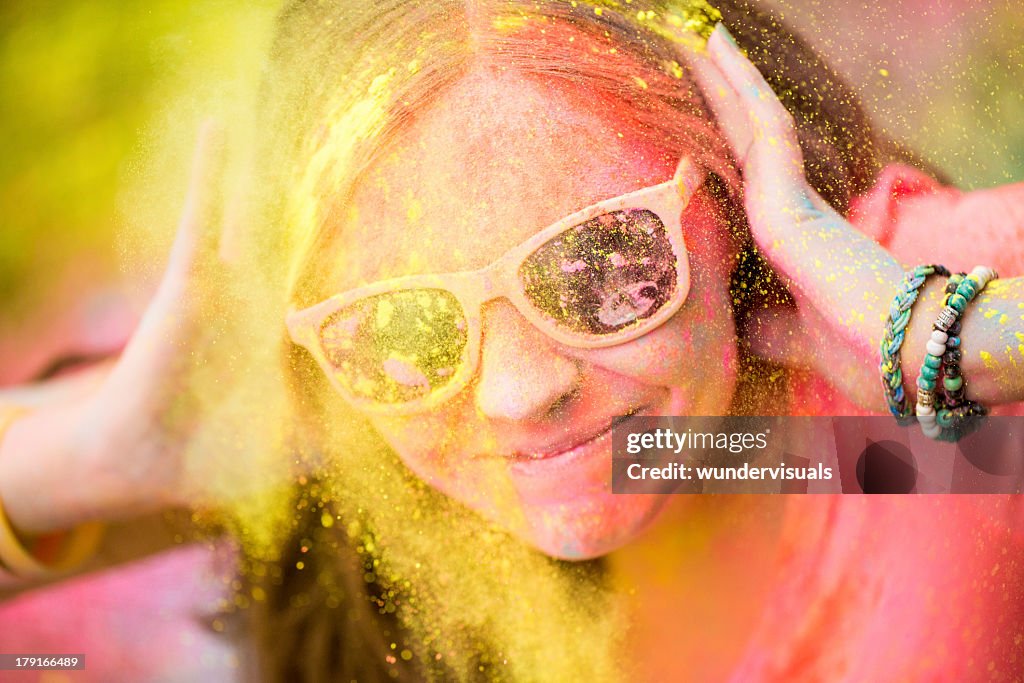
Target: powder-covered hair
{"x":344,"y":76}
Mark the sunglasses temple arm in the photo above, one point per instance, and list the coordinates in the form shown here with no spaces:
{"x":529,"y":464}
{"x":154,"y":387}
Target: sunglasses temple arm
{"x":688,"y":177}
{"x":298,"y":326}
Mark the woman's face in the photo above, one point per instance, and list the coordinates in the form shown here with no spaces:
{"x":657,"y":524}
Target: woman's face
{"x":495,"y":160}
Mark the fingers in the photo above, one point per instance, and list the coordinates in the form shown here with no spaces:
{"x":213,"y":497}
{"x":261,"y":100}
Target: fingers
{"x":724,"y":103}
{"x":195,"y":244}
{"x":190,"y":281}
{"x":771,"y":126}
{"x":839,"y":278}
{"x":773,"y":163}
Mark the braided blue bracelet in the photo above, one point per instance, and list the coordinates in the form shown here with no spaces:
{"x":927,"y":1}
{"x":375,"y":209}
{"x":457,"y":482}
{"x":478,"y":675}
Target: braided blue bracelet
{"x":895,"y":330}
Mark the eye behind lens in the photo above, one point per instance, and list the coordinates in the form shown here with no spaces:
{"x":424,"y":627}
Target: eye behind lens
{"x":397,"y":346}
{"x":601,"y":276}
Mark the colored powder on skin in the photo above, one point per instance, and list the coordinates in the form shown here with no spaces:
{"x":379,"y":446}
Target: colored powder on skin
{"x":474,"y":601}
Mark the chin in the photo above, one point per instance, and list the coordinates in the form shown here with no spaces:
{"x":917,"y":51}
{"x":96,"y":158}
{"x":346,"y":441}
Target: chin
{"x":583,"y":529}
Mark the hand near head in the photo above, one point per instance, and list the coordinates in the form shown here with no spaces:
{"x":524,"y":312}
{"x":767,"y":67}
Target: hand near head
{"x":145,"y":407}
{"x":842,"y":280}
{"x":125,"y":440}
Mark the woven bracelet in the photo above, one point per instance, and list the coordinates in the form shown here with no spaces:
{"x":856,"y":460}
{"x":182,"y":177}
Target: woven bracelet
{"x":892,"y":339}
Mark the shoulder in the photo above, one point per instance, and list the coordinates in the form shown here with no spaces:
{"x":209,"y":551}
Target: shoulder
{"x":920,"y":221}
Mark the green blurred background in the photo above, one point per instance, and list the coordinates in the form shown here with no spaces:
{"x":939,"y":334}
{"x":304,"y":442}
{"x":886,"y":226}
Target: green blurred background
{"x":99,"y":102}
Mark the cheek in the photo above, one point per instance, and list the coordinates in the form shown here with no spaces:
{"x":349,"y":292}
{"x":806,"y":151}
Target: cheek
{"x":418,"y":441}
{"x":434,"y":446}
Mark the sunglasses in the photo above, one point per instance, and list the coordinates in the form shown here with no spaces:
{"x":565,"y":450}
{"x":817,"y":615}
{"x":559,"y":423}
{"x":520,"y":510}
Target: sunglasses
{"x":605,"y":275}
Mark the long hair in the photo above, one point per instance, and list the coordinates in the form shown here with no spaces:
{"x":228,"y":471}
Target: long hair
{"x":337,"y":601}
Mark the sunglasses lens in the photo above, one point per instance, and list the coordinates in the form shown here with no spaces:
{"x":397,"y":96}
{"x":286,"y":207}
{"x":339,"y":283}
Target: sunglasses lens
{"x":605,"y":274}
{"x":398,"y":346}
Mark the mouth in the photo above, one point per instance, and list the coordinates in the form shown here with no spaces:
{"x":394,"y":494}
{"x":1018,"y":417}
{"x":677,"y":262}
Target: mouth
{"x":576,"y":445}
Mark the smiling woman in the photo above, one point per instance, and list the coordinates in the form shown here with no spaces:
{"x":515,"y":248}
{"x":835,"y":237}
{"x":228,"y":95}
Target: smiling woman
{"x":490,"y":230}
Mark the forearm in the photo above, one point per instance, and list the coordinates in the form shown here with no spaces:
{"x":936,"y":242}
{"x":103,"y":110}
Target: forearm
{"x":992,"y":340}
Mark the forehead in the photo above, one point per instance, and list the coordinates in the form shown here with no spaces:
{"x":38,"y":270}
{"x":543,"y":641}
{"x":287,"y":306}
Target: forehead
{"x":496,"y":159}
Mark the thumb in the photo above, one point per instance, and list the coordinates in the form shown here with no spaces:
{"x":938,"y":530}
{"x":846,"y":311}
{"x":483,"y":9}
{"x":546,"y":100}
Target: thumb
{"x":193,"y":259}
{"x":195,"y":244}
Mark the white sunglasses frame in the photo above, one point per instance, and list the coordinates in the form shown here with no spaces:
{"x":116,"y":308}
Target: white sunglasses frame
{"x":472,"y":289}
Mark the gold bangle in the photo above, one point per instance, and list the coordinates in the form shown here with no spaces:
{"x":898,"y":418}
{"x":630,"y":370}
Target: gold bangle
{"x":80,"y":544}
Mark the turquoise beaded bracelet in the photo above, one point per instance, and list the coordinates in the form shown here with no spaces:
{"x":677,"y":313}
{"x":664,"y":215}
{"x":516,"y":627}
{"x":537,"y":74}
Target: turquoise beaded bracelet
{"x":947,"y":416}
{"x":895,"y":330}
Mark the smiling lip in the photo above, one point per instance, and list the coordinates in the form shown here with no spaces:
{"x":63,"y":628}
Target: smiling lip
{"x":573,"y":447}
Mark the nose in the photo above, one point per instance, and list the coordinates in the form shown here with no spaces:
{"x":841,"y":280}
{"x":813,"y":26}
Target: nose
{"x":522,"y":375}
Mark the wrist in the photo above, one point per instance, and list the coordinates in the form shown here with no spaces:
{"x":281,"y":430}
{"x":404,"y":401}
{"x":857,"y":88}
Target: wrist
{"x":53,"y":475}
{"x":918,"y":332}
{"x":27,"y":556}
{"x":31,"y":457}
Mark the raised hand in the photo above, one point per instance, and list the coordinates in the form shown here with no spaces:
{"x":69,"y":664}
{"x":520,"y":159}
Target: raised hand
{"x":145,"y":408}
{"x":842,"y":280}
{"x":122,"y":448}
